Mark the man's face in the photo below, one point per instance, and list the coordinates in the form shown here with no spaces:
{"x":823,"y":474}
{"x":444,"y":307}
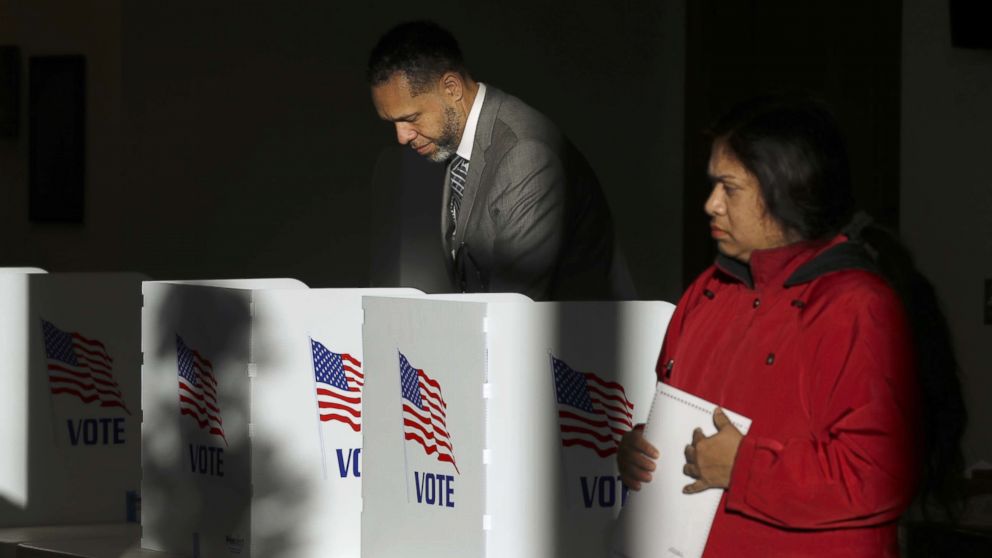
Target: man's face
{"x":428,"y":122}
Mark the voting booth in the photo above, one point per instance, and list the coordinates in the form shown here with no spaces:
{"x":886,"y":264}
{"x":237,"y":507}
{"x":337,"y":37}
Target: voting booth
{"x":491,"y":422}
{"x":252,"y":442}
{"x":13,"y":540}
{"x":70,"y":426}
{"x":98,"y":543}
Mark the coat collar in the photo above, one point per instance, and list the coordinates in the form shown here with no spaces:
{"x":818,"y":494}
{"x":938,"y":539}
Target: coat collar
{"x":797,"y":263}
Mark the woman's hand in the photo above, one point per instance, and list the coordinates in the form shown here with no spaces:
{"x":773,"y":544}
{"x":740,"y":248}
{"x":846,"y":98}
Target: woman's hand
{"x":636,"y":458}
{"x":711,"y":460}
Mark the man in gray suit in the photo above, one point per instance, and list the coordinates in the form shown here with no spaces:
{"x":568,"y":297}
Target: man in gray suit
{"x":523,"y":211}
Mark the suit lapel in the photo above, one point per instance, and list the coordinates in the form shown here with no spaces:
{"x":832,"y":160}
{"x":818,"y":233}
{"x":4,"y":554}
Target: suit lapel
{"x":477,"y":164}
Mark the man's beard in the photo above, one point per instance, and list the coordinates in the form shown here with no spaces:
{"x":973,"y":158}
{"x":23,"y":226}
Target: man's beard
{"x":447,"y":142}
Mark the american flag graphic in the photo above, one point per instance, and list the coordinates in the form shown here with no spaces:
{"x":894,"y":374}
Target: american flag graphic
{"x":592,"y":412}
{"x":339,"y":386}
{"x":425,"y":413}
{"x":198,"y":389}
{"x":80,"y":367}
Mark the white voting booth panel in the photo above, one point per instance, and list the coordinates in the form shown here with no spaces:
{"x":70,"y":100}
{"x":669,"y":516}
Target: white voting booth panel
{"x":14,"y":541}
{"x":69,"y":428}
{"x":14,"y":414}
{"x":195,"y":455}
{"x":307,"y":446}
{"x":265,"y":283}
{"x":12,"y":538}
{"x":285,"y":478}
{"x":88,"y":548}
{"x":22,"y":270}
{"x":468,"y":451}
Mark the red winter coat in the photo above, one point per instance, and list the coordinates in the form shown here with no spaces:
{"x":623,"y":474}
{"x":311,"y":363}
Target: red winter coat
{"x":815,"y":349}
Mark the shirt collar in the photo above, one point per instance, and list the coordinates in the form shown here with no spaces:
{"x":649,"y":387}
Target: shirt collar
{"x":468,"y":136}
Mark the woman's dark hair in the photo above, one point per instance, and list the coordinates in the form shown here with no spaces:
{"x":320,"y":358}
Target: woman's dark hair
{"x":796,"y":151}
{"x":944,"y":414}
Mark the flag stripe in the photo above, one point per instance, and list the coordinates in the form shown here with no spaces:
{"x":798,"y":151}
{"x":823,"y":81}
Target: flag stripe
{"x":564,"y":417}
{"x":89,"y":341}
{"x":345,"y":408}
{"x":97,"y":356}
{"x":605,"y":444}
{"x":87,"y":387}
{"x":430,"y":435}
{"x":428,"y":419}
{"x":565,"y":428}
{"x":357,"y":427}
{"x":613,"y":386}
{"x":70,"y":391}
{"x":199,"y":396}
{"x":602,"y":452}
{"x":613,"y":415}
{"x":201,"y":411}
{"x":330,"y":393}
{"x":201,"y":358}
{"x":431,"y":448}
{"x":351,"y":359}
{"x":203,"y":424}
{"x":93,"y":363}
{"x":62,"y":368}
{"x":603,"y":398}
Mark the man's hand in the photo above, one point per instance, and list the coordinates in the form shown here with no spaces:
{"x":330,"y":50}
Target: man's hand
{"x":711,"y":460}
{"x":636,"y":458}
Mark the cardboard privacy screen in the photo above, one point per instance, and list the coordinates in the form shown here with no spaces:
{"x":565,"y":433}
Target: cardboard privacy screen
{"x":70,"y":427}
{"x":253,"y":419}
{"x":491,"y":422}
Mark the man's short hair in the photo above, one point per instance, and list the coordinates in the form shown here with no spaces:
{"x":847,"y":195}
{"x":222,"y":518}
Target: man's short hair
{"x":422,"y":50}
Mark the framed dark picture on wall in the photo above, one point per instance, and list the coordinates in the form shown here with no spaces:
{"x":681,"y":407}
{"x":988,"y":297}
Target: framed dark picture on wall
{"x":56,"y":138}
{"x":10,"y":91}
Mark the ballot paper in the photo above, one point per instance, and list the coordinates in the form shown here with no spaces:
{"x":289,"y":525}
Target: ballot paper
{"x":660,"y":521}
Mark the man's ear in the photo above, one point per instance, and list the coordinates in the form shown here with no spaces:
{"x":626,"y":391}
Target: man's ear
{"x":453,"y":86}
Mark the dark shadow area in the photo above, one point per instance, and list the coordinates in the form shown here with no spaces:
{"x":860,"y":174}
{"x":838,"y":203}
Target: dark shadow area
{"x":609,"y":352}
{"x":617,"y":342}
{"x":933,"y":540}
{"x":184,"y":501}
{"x":242,"y":141}
{"x":844,"y":53}
{"x":405,"y":222}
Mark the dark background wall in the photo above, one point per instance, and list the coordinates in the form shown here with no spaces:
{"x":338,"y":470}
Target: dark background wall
{"x":242,"y":138}
{"x":843,"y":53}
{"x":946,"y":191}
{"x":237,"y":139}
{"x":93,"y":29}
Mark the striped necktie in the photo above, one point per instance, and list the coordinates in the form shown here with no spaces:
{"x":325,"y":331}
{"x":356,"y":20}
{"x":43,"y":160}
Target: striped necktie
{"x":458,"y":171}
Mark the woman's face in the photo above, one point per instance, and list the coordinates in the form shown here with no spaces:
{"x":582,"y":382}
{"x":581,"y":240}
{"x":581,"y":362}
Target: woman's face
{"x":738,"y":220}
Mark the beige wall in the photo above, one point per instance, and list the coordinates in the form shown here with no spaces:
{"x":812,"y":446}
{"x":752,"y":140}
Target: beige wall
{"x":946,"y":195}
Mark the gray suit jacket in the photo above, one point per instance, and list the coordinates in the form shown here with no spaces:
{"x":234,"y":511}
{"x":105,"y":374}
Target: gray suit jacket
{"x":533,"y":219}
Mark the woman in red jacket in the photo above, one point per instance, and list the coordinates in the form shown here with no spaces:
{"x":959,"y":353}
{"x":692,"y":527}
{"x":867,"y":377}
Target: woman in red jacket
{"x":813,"y":323}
